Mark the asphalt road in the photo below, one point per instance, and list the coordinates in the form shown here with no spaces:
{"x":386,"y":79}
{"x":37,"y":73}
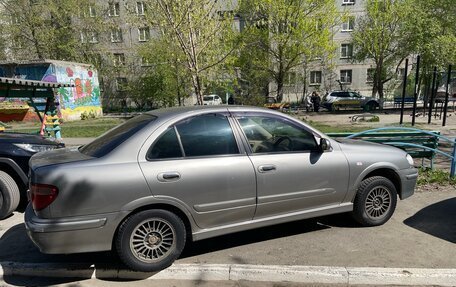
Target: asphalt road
{"x":421,"y":233}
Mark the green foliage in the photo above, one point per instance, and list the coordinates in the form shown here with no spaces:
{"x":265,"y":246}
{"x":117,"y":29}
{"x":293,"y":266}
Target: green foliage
{"x":434,"y":176}
{"x":383,"y":35}
{"x":282,"y":35}
{"x":199,"y":37}
{"x":166,"y":81}
{"x":88,"y":116}
{"x":48,"y":29}
{"x":373,"y":119}
{"x":434,"y":28}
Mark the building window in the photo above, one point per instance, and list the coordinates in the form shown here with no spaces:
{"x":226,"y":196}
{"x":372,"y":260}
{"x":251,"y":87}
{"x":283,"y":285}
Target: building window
{"x":145,"y":62}
{"x":290,"y":78}
{"x":83,"y":37}
{"x":114,"y":9}
{"x":348,"y":2}
{"x":140,"y":8}
{"x":92,"y":36}
{"x":144,"y":34}
{"x":349,"y":24}
{"x":92,"y":12}
{"x":15,"y":20}
{"x":16,"y":43}
{"x":346,"y":51}
{"x":119,"y":59}
{"x":370,"y":75}
{"x":121,"y":84}
{"x":346,"y":76}
{"x":315,"y":77}
{"x":401,"y":72}
{"x":116,"y":35}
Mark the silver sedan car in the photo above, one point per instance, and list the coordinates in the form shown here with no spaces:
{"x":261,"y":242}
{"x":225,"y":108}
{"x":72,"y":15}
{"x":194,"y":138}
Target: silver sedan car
{"x":168,"y":176}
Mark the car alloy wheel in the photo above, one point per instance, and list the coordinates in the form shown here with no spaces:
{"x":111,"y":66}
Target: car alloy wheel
{"x":375,"y":201}
{"x":152,"y":240}
{"x":378,"y":202}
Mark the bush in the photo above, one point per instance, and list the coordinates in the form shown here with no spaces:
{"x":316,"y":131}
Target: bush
{"x":89,"y":115}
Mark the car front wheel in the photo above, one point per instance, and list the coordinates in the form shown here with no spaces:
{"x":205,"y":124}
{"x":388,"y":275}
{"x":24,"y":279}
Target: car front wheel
{"x":150,"y":240}
{"x":9,"y":195}
{"x":375,"y":201}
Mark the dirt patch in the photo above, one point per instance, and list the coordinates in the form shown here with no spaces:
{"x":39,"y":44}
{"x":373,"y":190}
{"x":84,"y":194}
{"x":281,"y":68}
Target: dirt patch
{"x":435,"y":187}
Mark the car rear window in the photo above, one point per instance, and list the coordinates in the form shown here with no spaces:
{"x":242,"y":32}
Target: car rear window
{"x":107,"y":142}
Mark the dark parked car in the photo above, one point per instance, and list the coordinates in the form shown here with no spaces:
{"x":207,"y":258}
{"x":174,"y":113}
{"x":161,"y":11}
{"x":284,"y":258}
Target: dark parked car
{"x":172,"y":175}
{"x":15,"y":151}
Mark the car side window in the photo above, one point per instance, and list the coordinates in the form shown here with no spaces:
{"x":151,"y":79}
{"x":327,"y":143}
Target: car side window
{"x":268,"y":134}
{"x":343,"y":95}
{"x":355,"y":95}
{"x":167,"y":146}
{"x":206,"y":135}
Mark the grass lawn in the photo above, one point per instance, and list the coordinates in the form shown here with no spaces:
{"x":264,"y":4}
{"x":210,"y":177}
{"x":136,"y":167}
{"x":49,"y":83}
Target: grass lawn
{"x":73,"y":129}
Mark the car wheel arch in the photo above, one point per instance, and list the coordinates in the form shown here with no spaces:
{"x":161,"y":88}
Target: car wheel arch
{"x":10,"y":167}
{"x":183,"y":215}
{"x":388,"y":173}
{"x":385,"y":169}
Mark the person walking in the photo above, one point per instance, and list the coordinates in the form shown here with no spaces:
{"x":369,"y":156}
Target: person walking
{"x":315,"y":98}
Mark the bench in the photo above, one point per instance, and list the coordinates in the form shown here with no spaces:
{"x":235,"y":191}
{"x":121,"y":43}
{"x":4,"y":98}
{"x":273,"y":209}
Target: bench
{"x":400,"y":139}
{"x":407,"y":100}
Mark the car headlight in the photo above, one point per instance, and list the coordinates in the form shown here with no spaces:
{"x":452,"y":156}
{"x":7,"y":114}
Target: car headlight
{"x":410,"y":159}
{"x":35,"y":147}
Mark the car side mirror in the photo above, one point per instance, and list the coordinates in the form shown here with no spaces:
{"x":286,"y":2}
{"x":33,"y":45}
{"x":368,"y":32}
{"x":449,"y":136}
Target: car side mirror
{"x":325,"y":144}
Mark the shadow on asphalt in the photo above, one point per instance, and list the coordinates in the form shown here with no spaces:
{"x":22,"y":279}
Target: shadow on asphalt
{"x":267,"y":233}
{"x":15,"y":246}
{"x":438,"y":219}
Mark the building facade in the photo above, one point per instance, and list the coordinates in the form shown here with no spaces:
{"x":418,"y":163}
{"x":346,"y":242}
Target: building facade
{"x":126,"y":32}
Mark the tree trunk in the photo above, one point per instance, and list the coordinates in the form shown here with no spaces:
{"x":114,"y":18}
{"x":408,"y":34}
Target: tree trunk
{"x":279,"y":90}
{"x":196,"y":82}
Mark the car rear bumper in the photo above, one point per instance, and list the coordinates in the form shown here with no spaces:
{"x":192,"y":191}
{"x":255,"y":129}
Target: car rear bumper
{"x":409,"y":177}
{"x":72,"y":235}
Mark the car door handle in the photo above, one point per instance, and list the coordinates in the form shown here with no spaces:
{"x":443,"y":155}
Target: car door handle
{"x":266,"y":168}
{"x":168,"y":176}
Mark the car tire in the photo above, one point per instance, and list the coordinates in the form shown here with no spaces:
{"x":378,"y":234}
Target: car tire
{"x":375,"y":201}
{"x":371,"y":106}
{"x":9,"y":195}
{"x":150,"y":240}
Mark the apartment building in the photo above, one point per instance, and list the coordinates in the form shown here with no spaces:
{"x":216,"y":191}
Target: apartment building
{"x":339,"y":72}
{"x":126,"y":32}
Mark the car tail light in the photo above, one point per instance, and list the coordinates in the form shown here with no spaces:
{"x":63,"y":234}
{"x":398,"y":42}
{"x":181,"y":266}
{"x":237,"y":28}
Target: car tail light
{"x":42,"y":195}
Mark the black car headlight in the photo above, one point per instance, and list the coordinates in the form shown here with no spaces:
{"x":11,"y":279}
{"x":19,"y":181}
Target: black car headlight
{"x":36,"y":147}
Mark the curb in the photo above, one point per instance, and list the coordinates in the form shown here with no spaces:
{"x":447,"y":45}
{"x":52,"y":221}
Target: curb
{"x":269,"y":273}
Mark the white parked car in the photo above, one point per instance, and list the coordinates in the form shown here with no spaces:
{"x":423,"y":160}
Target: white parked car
{"x":212,"y":100}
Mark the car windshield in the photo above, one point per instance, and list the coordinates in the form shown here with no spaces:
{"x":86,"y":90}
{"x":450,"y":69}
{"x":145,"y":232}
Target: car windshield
{"x":208,"y":98}
{"x":113,"y":138}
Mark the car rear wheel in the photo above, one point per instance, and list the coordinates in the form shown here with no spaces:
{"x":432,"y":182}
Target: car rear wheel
{"x":150,"y":240}
{"x":370,"y":106}
{"x":9,"y":195}
{"x":375,"y":201}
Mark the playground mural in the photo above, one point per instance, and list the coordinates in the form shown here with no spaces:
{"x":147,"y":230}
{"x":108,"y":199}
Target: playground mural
{"x":84,"y":96}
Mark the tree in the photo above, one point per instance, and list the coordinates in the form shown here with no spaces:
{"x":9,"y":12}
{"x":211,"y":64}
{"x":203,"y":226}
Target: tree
{"x":164,"y":82}
{"x":48,"y":29}
{"x":199,"y":29}
{"x":435,"y":30}
{"x":289,"y":32}
{"x":383,"y":36}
